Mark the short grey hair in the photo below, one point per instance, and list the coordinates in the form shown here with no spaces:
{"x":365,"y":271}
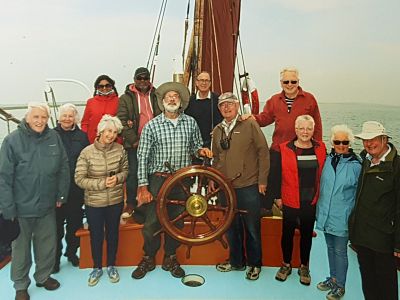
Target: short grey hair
{"x":344,"y":129}
{"x":40,"y":105}
{"x":108,"y":120}
{"x":304,"y":118}
{"x":66,"y":107}
{"x":294,"y":70}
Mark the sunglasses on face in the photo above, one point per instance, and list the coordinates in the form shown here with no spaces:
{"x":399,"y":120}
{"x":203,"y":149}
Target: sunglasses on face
{"x":291,"y":81}
{"x":102,"y":86}
{"x":140,"y":78}
{"x":345,"y":143}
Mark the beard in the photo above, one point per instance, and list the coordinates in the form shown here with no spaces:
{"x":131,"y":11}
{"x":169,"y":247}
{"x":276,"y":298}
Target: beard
{"x":171,"y":108}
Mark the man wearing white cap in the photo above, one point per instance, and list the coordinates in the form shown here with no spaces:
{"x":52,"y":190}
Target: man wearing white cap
{"x":374,"y":225}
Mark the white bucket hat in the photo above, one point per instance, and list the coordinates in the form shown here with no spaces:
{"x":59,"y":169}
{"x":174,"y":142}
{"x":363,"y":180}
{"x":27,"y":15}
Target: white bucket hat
{"x":371,"y":129}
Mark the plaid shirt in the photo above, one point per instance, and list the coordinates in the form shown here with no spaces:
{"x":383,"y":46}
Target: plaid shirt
{"x":161,"y":141}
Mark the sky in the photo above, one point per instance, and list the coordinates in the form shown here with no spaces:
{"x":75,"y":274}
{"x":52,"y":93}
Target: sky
{"x":346,"y":51}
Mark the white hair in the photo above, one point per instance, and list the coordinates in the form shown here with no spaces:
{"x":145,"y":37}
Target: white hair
{"x":40,"y":105}
{"x":108,"y":120}
{"x":344,"y":129}
{"x":69,"y":107}
{"x":304,"y":118}
{"x":294,"y":70}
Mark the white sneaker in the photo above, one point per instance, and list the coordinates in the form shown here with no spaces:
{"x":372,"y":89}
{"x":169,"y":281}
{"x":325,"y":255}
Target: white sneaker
{"x":94,"y":276}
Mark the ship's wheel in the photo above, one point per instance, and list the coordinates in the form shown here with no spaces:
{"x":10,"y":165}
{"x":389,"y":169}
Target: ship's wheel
{"x":207,"y":215}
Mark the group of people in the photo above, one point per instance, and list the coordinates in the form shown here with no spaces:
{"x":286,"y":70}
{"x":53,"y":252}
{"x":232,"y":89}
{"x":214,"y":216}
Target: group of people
{"x":47,"y":175}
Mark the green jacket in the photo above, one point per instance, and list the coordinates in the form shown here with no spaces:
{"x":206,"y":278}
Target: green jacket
{"x":375,"y":220}
{"x":128,"y":110}
{"x":34,"y":172}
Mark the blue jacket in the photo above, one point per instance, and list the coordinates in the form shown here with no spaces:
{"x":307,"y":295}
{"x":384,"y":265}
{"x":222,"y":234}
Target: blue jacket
{"x":34,"y":172}
{"x":337,"y":194}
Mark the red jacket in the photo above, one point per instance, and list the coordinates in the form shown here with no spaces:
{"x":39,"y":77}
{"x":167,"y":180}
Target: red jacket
{"x":275,"y":110}
{"x":290,"y":194}
{"x":96,"y":108}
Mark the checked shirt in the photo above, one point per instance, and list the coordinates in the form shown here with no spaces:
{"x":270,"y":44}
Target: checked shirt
{"x":163,"y":141}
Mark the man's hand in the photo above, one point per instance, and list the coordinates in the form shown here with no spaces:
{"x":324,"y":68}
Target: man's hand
{"x":143,"y":195}
{"x":211,"y":186}
{"x":262,"y":188}
{"x":205,"y":152}
{"x":59,"y":204}
{"x":246,"y":116}
{"x":396,"y":254}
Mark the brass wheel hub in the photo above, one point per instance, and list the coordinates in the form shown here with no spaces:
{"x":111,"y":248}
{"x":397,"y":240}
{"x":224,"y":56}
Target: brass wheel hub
{"x":196,"y":205}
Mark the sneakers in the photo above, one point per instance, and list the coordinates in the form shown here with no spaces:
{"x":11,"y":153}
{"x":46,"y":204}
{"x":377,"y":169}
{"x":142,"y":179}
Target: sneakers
{"x":147,"y":264}
{"x":253,"y":273}
{"x":326,"y":285}
{"x":227,"y":267}
{"x":113,"y":274}
{"x":304,"y":273}
{"x":171,"y":264}
{"x":336,"y":293}
{"x":94,"y":276}
{"x":283,"y":272}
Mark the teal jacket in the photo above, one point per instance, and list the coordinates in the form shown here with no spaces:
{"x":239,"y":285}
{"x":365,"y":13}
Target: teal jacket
{"x":34,"y":172}
{"x":375,"y":220}
{"x":337,"y":193}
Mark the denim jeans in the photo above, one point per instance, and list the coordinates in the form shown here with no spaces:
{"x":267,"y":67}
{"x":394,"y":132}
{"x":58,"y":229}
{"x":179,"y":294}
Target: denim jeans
{"x":337,"y":257}
{"x":246,"y":226}
{"x":100,"y":219}
{"x":132,"y":180}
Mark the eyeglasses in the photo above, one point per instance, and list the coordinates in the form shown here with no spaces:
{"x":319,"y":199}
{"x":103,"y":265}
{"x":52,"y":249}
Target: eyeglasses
{"x":103,"y":86}
{"x":172,"y":97}
{"x":140,"y":78}
{"x":204,"y":80}
{"x":345,"y":143}
{"x":291,"y":81}
{"x":226,"y":104}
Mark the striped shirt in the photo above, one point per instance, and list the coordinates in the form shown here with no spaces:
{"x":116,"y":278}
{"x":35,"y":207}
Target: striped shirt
{"x":163,"y":141}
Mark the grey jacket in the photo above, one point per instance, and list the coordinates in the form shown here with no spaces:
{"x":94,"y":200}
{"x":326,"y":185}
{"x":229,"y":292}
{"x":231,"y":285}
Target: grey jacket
{"x":34,"y":172}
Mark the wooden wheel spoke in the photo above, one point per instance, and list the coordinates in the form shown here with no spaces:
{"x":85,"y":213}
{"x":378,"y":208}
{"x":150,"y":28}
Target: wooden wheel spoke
{"x":193,"y":226}
{"x":179,"y":217}
{"x":184,"y":188}
{"x":217,"y":208}
{"x":212,"y":194}
{"x":176,"y":202}
{"x":208,"y":222}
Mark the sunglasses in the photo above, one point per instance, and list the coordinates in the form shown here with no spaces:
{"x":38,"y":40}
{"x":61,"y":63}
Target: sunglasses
{"x":102,"y":86}
{"x":345,"y":143}
{"x":291,"y":81}
{"x":142,"y":78}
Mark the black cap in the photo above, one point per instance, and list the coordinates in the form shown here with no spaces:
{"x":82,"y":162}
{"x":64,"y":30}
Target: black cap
{"x":9,"y":230}
{"x":142,"y":71}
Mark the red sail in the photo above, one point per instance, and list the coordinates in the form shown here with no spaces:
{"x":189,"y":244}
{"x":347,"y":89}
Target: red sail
{"x":219,"y":39}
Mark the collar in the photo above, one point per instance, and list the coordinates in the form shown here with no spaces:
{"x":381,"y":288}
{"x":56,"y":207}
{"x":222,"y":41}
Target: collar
{"x":229,"y":126}
{"x":383,"y":158}
{"x":198,"y":96}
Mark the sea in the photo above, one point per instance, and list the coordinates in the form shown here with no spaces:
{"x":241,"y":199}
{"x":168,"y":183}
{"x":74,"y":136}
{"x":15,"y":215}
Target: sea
{"x":351,"y":114}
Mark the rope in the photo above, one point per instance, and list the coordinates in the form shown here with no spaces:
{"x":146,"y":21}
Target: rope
{"x":156,"y":37}
{"x":185,"y":34}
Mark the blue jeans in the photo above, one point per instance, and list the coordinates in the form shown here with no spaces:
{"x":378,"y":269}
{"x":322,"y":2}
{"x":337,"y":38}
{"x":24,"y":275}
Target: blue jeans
{"x":100,"y":218}
{"x":246,"y":226}
{"x":337,"y":257}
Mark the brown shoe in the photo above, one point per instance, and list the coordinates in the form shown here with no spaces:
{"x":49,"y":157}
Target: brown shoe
{"x":22,"y":295}
{"x":283,"y":272}
{"x":50,"y":284}
{"x":170,"y":263}
{"x":147,"y":264}
{"x":304,"y":273}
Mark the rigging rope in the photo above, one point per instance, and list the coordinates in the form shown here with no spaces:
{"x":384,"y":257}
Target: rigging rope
{"x":156,"y":39}
{"x":185,"y":34}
